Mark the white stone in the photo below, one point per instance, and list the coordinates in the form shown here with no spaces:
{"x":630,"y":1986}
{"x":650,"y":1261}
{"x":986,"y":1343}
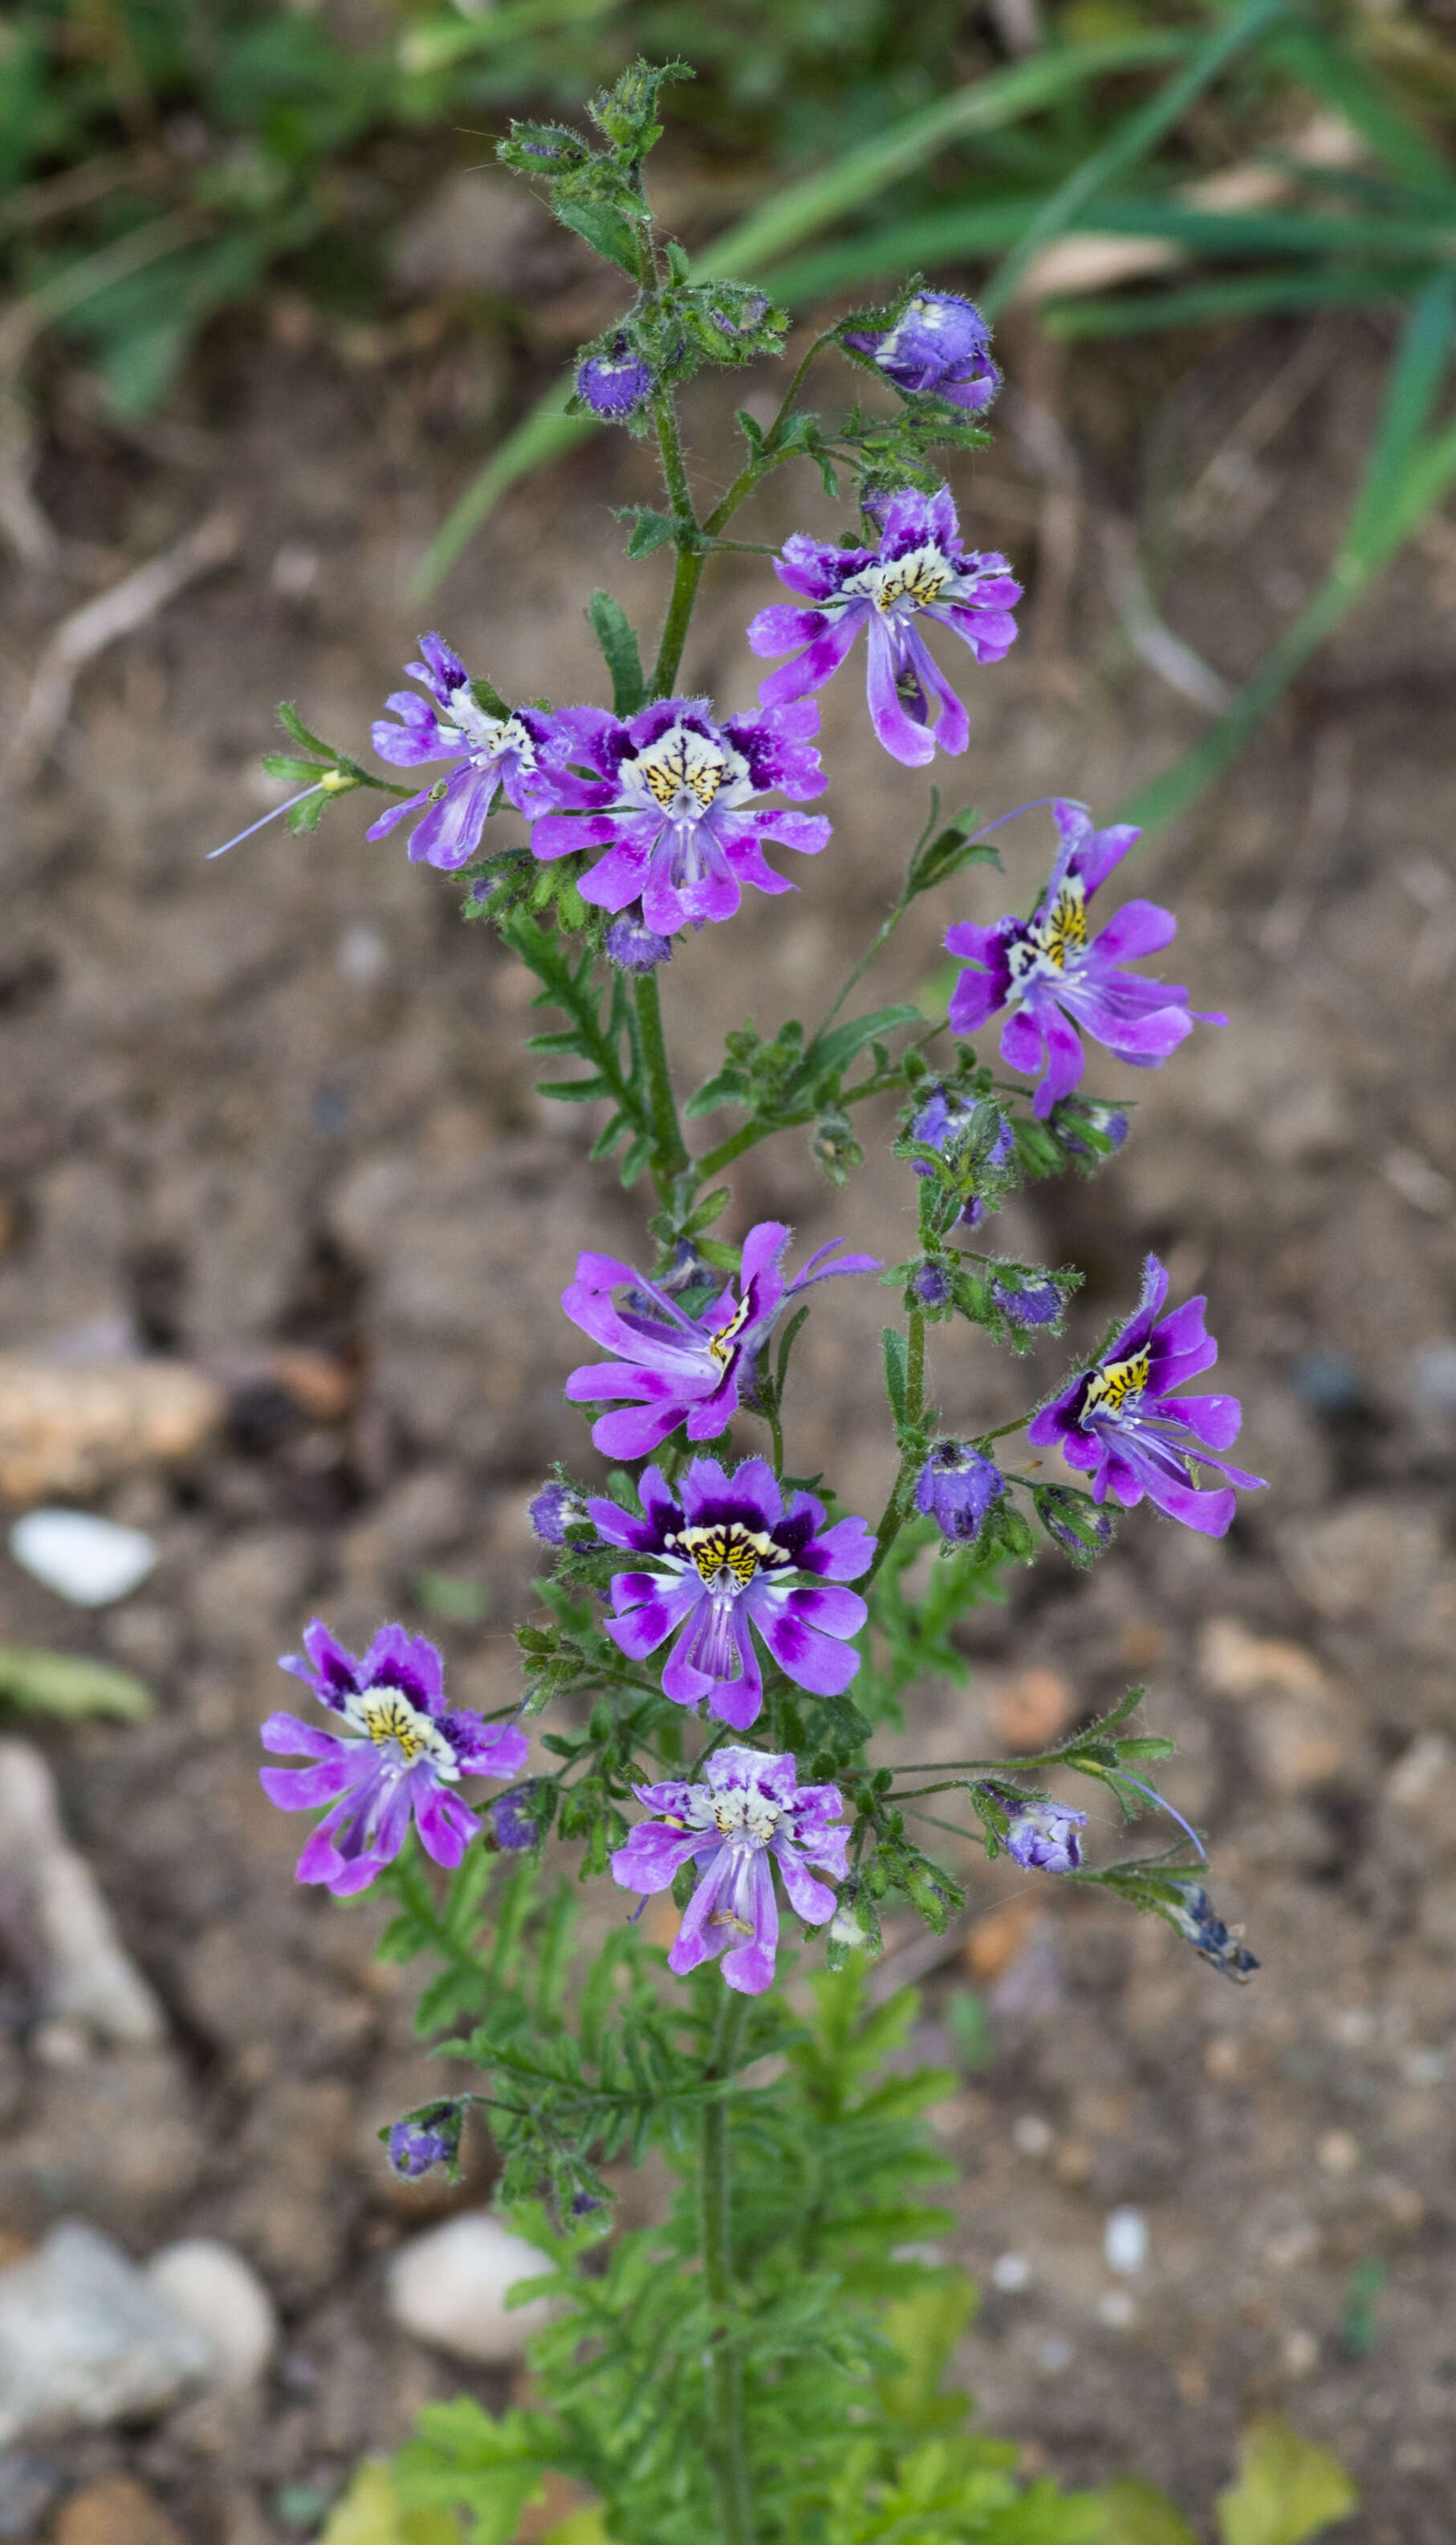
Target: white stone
{"x":448,"y":2287}
{"x":81,"y":1557}
{"x":222,"y":2297}
{"x":1010,"y":2272}
{"x":1125,"y":2242}
{"x":89,"y":1979}
{"x":1116,"y":2308}
{"x":86,"y":2341}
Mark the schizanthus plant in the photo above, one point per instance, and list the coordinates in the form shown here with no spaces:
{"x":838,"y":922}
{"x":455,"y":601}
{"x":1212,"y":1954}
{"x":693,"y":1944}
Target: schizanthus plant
{"x":720,"y":1639}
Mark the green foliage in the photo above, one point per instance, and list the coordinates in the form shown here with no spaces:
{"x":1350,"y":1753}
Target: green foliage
{"x":602,"y":1031}
{"x":1288,"y":2490}
{"x":69,"y":1685}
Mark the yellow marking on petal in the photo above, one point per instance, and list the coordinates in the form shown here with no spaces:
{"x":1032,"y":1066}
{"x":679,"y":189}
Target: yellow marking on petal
{"x":1110,"y":1387}
{"x":725,"y":1918}
{"x":722,"y":1343}
{"x":1064,"y":929}
{"x":683,"y":761}
{"x":391,"y":1717}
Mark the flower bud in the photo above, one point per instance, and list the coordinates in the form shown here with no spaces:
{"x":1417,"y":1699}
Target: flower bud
{"x":634,"y":947}
{"x":931,"y":1283}
{"x":1081,"y":1529}
{"x":1030,"y":1302}
{"x":512,"y":1816}
{"x":940,"y":344}
{"x":1043,"y":1837}
{"x":613,"y":383}
{"x":425,"y":2140}
{"x":956,"y":1488}
{"x":551,"y":1513}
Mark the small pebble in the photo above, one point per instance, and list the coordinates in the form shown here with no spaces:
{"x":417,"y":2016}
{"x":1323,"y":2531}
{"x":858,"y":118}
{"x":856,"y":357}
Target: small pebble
{"x":1125,"y":2242}
{"x":1055,"y":2355}
{"x":1117,"y":2309}
{"x":86,"y":2342}
{"x":449,"y":2286}
{"x":1010,"y":2272}
{"x":1299,"y":2353}
{"x":81,"y":1557}
{"x":222,"y":2296}
{"x":1031,"y":2135}
{"x":1339,"y":2151}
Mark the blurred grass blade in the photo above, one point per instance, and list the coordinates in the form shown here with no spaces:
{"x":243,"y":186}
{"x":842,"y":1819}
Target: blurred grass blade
{"x":1420,"y":368}
{"x":1130,"y":142}
{"x":1334,"y":73}
{"x":796,"y":212}
{"x":885,"y":255}
{"x":1402,"y":484}
{"x":440,"y":42}
{"x":69,"y":1685}
{"x":1249,"y":296}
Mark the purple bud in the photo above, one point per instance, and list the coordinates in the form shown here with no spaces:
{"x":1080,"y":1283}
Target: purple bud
{"x":514,"y":1823}
{"x":1104,"y":1119}
{"x":614,"y":384}
{"x":551,"y":1511}
{"x":416,"y":2146}
{"x":932,"y":1285}
{"x":748,"y":310}
{"x":634,"y":947}
{"x":1194,"y":1916}
{"x":957,"y":1487}
{"x":1042,"y":1838}
{"x":941,"y":345}
{"x":1081,"y":1530}
{"x":1028,"y":1303}
{"x":582,"y":2205}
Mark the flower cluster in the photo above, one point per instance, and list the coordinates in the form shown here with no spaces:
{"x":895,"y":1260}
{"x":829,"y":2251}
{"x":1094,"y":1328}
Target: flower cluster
{"x":396,"y":1752}
{"x":748,"y":1814}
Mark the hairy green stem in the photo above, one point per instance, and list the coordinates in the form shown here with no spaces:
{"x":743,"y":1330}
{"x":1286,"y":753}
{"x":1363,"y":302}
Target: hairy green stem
{"x":689,"y":555}
{"x":727,"y":2449}
{"x":891,"y":1518}
{"x":750,"y":1134}
{"x":670,"y":1155}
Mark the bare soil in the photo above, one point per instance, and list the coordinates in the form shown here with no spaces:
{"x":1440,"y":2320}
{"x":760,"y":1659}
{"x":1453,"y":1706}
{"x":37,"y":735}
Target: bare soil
{"x":281,"y":1101}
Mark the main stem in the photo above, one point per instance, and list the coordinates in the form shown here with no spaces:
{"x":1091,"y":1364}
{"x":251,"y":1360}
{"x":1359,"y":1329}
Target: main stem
{"x":892,"y":1517}
{"x":689,"y":555}
{"x":727,"y":2445}
{"x":670,"y":1154}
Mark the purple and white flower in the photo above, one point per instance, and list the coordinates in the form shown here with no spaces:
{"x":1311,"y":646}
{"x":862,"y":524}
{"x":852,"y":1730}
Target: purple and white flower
{"x":1044,"y":1836}
{"x":395,"y":1752}
{"x":1058,"y":984}
{"x":426,"y":2139}
{"x":918,"y":569}
{"x":957,"y":1488}
{"x":748,"y":1814}
{"x":1127,"y":1423}
{"x":552,"y":1512}
{"x":668,"y":798}
{"x":614,"y":383}
{"x":1187,"y":1906}
{"x":672,"y":1368}
{"x":938,"y":345}
{"x":489,"y":756}
{"x":634,"y":947}
{"x":729,"y":1563}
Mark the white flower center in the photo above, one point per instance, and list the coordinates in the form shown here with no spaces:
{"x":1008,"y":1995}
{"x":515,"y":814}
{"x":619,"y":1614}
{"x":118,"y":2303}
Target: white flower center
{"x":389,"y":1718}
{"x":727,"y":1554}
{"x":1050,"y":943}
{"x":904,"y":584}
{"x":743,"y":1814}
{"x":684,"y":772}
{"x":489,"y":736}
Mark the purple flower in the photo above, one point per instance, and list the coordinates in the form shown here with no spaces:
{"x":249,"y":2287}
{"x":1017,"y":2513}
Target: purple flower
{"x":1042,"y":1837}
{"x":1027,"y":1301}
{"x":666,"y":798}
{"x":956,"y":1488}
{"x":674,"y":1367}
{"x":919,"y":567}
{"x":397,"y":1750}
{"x":931,"y":1283}
{"x":426,"y":2139}
{"x":1127,"y":1423}
{"x":615,"y":384}
{"x":950,"y":1122}
{"x":634,"y":947}
{"x":748,"y":1809}
{"x":1054,"y":981}
{"x":729,"y":1558}
{"x":938,"y":345}
{"x":490,"y":755}
{"x":551,"y":1513}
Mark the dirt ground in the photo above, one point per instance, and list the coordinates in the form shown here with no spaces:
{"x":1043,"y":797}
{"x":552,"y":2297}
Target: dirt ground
{"x":281,"y":1101}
